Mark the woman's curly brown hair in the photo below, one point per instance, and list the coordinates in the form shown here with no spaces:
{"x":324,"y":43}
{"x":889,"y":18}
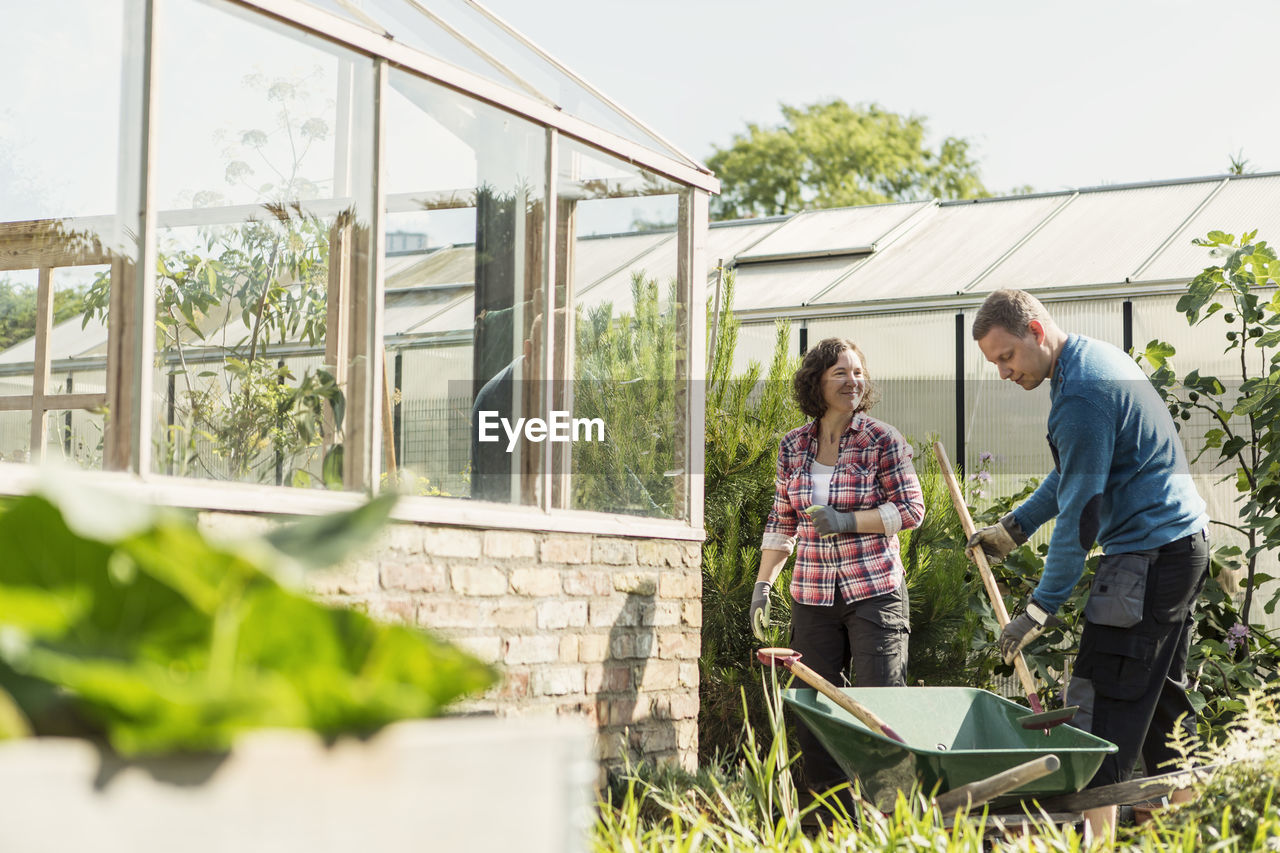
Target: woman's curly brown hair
{"x":806,"y":386}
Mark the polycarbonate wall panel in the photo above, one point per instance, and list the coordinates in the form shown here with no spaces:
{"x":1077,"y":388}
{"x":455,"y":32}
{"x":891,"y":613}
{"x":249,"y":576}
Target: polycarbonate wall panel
{"x":1201,"y":348}
{"x":1099,"y":238}
{"x":1004,"y":420}
{"x":832,"y":230}
{"x":756,"y":343}
{"x":1100,"y":319}
{"x":945,"y":251}
{"x":911,"y":359}
{"x":1239,"y":207}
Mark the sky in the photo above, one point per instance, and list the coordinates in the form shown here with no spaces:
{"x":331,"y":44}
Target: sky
{"x":1053,"y":96}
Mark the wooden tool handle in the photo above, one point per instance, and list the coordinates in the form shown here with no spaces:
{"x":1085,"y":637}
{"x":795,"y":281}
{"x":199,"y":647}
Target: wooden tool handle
{"x":977,"y":793}
{"x":988,"y":579}
{"x":844,"y":700}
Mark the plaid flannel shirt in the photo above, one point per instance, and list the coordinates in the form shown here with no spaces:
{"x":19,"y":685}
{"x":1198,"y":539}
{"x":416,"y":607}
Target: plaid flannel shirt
{"x":873,"y":471}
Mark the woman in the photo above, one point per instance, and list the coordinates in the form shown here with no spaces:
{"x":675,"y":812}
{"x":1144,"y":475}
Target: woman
{"x":845,"y":487}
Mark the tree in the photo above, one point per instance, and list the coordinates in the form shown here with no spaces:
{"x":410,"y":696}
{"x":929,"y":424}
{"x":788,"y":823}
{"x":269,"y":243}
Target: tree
{"x":18,"y":309}
{"x":831,"y":154}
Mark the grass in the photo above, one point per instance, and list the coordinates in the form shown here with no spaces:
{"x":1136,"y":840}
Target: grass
{"x":750,"y":803}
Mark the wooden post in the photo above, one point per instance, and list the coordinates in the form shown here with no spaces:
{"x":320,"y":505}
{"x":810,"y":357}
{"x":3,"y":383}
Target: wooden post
{"x":41,"y":377}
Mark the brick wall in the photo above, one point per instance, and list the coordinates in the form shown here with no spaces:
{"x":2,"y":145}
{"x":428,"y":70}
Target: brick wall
{"x":607,"y":628}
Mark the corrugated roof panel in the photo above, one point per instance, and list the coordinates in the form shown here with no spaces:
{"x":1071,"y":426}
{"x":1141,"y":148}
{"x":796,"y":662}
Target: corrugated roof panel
{"x":722,"y":242}
{"x":406,"y":308}
{"x":1243,"y":205}
{"x":832,"y":230}
{"x":786,"y":283}
{"x":596,"y":257}
{"x":451,"y":265}
{"x":945,"y":252}
{"x":1100,"y":238}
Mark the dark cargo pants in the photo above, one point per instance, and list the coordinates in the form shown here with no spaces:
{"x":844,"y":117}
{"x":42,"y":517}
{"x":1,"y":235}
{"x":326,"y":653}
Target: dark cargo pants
{"x":872,"y":634}
{"x":1131,"y":683}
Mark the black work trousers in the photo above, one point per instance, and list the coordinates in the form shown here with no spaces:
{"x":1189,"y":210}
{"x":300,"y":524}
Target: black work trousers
{"x":872,"y":634}
{"x":1131,"y":682}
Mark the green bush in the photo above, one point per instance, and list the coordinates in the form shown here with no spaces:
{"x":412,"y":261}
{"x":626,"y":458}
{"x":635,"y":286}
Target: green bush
{"x":125,"y":622}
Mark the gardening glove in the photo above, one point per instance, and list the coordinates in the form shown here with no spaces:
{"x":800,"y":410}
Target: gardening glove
{"x":999,"y":539}
{"x":1023,"y":628}
{"x":829,"y":522}
{"x":760,"y":609}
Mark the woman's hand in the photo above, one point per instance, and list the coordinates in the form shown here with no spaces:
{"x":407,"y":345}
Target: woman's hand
{"x":829,"y":522}
{"x":759,"y":614}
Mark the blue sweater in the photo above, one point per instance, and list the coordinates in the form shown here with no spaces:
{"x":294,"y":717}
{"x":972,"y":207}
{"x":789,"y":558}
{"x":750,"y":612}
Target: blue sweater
{"x":1120,"y":475}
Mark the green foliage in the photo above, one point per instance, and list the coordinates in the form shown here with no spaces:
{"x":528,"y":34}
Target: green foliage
{"x":831,"y":154}
{"x":18,"y":309}
{"x":1238,"y":805}
{"x":752,"y":805}
{"x":949,"y":641}
{"x":126,"y":622}
{"x":1232,"y":654}
{"x":745,"y":421}
{"x":626,"y":376}
{"x":1017,"y":575}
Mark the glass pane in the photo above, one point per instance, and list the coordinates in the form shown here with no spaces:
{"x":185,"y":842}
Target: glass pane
{"x":263,"y":173}
{"x":629,"y":314}
{"x":60,"y":228}
{"x":458,"y":33}
{"x":466,"y":214}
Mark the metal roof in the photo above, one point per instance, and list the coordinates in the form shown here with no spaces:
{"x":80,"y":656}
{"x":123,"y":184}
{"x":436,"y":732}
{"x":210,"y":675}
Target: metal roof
{"x":1239,"y":206}
{"x":849,"y":230}
{"x":1099,"y":237}
{"x":950,"y":247}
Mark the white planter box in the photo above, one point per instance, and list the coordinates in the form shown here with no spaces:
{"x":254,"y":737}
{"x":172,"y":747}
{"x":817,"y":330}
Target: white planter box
{"x":462,"y":784}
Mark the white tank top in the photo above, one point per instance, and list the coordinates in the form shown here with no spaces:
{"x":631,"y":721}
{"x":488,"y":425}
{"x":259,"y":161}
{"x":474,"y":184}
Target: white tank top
{"x":821,"y":482}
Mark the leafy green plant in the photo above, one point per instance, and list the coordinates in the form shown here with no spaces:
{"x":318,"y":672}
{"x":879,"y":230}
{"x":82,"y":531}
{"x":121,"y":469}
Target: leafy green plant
{"x":1245,"y":408}
{"x":746,"y":417}
{"x":1232,"y":654}
{"x":948,"y":638}
{"x":238,"y":410}
{"x":626,"y":376}
{"x":126,"y":622}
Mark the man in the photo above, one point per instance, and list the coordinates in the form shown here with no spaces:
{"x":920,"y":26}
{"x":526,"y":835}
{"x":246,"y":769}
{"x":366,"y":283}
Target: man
{"x":1120,"y":478}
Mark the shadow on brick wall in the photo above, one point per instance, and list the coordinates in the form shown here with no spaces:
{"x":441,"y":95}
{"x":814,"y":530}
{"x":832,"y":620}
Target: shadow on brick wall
{"x":636,"y":690}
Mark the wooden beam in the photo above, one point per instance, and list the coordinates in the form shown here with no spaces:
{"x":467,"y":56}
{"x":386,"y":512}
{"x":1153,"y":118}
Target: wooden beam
{"x":120,"y":355}
{"x":53,"y":402}
{"x":40,"y":375}
{"x":1133,"y":791}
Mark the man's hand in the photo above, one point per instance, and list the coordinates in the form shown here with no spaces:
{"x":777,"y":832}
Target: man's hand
{"x":999,"y":539}
{"x":1023,"y":628}
{"x":829,"y":522}
{"x":760,"y":609}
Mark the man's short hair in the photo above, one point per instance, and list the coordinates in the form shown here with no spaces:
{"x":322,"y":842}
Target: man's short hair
{"x":1012,"y":310}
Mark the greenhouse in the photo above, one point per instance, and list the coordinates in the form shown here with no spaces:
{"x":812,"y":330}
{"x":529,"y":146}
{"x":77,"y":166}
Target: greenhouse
{"x":344,"y":219}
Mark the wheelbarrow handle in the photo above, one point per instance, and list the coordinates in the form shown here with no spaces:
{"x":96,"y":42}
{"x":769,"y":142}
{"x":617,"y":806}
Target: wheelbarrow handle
{"x":977,"y":793}
{"x":844,"y":700}
{"x":984,"y":569}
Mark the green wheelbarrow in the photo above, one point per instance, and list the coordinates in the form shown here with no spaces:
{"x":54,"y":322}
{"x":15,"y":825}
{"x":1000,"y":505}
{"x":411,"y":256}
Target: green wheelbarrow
{"x":953,"y":739}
